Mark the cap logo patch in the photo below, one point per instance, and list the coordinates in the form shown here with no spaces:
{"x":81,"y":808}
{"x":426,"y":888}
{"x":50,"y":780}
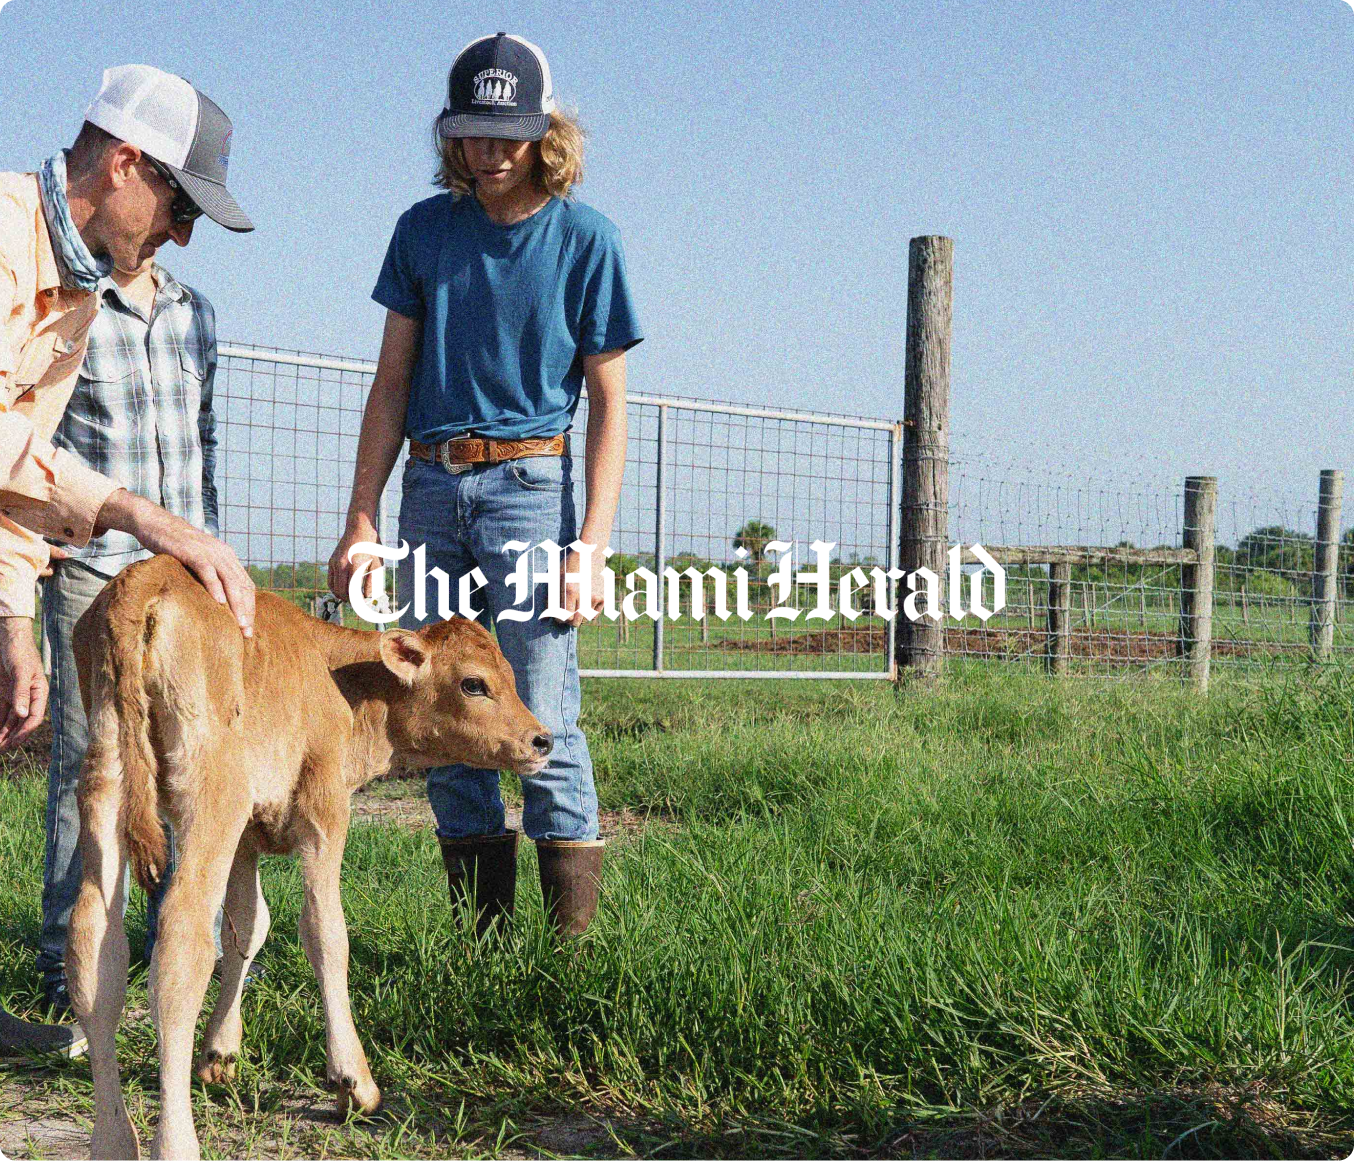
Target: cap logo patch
{"x":495,"y":87}
{"x":224,"y":156}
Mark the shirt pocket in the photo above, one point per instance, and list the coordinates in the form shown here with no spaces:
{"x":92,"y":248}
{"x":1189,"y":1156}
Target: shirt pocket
{"x":106,"y":362}
{"x":104,"y":399}
{"x":191,"y":381}
{"x":47,"y":356}
{"x":194,"y":367}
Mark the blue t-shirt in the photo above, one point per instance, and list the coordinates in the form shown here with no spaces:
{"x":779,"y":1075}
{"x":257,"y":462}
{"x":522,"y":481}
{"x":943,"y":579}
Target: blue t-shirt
{"x":508,"y":313}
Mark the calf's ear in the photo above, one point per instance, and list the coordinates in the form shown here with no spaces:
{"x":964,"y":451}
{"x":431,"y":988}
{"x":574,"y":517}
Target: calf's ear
{"x":405,"y":654}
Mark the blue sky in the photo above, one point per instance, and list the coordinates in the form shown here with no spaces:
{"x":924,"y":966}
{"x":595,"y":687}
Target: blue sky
{"x":1150,"y":202}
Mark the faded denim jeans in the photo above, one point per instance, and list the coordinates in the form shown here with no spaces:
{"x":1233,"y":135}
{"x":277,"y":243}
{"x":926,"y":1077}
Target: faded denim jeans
{"x":465,"y":519}
{"x":65,"y":596}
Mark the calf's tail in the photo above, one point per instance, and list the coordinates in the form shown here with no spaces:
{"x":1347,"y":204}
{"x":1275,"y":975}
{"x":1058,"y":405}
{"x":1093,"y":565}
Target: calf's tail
{"x":121,"y":623}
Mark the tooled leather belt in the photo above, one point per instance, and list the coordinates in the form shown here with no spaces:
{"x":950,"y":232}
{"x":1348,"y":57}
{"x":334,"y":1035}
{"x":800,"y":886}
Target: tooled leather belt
{"x":474,"y":450}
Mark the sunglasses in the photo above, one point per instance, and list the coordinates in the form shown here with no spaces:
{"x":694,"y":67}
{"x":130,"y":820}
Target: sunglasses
{"x":183,"y":209}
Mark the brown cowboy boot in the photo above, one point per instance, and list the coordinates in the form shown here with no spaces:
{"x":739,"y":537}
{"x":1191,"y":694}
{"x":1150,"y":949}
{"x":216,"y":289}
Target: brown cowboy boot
{"x":485,"y":867}
{"x":571,"y":880}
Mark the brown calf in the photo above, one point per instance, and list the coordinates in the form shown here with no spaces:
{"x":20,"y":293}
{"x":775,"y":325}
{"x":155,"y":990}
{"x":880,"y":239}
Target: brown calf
{"x":247,"y":747}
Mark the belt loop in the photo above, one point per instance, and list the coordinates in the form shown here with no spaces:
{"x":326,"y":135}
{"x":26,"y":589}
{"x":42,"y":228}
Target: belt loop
{"x":491,"y":451}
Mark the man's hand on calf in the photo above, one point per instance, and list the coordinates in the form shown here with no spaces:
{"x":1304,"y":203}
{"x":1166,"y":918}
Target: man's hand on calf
{"x":211,"y":561}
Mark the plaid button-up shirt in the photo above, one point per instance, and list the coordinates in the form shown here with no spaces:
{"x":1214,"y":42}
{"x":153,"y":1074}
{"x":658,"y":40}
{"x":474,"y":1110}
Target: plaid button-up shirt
{"x":141,"y":412}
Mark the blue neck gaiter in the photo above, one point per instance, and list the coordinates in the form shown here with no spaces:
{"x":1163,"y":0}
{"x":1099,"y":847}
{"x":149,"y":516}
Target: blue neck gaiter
{"x":80,"y":270}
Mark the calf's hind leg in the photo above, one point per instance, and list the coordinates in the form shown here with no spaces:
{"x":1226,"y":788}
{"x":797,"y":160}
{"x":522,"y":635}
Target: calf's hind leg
{"x":97,"y":953}
{"x":182,"y":964}
{"x":243,"y":930}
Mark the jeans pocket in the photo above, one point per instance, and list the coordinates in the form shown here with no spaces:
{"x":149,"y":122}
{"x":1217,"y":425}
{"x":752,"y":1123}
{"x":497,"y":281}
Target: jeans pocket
{"x":540,"y":473}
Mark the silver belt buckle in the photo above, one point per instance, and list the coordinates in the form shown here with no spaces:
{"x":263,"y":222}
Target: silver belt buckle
{"x":444,"y":457}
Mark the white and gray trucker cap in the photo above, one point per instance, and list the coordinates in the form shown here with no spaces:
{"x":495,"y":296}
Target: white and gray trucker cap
{"x":181,"y":128}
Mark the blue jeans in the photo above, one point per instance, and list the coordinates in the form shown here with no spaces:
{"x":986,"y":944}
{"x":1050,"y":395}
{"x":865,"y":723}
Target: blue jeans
{"x":66,"y":594}
{"x":464,"y":519}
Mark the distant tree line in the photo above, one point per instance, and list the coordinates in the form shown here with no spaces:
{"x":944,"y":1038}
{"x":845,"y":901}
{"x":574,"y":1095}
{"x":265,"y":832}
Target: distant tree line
{"x":1271,"y":561}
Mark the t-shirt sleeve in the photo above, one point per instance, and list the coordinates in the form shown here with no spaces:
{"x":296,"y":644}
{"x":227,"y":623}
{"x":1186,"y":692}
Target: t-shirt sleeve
{"x":398,"y":287}
{"x":609,"y":321}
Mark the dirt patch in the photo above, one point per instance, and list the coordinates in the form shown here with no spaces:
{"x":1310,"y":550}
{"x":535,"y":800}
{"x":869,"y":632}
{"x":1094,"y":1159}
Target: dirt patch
{"x":37,"y":1121}
{"x":43,"y":1137}
{"x":1123,"y":647}
{"x":45,"y":1115}
{"x":413,"y":813}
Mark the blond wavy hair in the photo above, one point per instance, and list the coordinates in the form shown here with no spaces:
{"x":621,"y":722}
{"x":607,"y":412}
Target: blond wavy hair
{"x":559,"y":158}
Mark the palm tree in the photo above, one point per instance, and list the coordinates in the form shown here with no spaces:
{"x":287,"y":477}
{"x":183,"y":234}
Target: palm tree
{"x":754,"y":536}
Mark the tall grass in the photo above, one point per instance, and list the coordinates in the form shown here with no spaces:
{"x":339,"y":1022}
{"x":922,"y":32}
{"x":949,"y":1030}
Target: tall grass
{"x":862,"y":917}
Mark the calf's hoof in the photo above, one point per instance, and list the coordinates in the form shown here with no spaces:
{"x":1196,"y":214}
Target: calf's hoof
{"x":215,"y":1068}
{"x":356,"y":1097}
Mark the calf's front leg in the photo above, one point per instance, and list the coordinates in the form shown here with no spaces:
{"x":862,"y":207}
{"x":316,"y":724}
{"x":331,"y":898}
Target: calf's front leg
{"x":324,"y":935}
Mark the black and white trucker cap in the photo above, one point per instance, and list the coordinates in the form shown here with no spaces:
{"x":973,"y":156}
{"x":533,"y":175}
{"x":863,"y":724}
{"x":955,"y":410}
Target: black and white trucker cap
{"x":184,"y":130}
{"x":499,"y":86}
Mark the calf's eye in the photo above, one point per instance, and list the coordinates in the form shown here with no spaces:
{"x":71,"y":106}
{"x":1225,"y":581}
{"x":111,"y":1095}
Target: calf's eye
{"x":474,"y":687}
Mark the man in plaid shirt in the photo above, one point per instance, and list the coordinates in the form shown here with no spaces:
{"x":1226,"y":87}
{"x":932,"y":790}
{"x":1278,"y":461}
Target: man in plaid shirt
{"x":140,"y":414}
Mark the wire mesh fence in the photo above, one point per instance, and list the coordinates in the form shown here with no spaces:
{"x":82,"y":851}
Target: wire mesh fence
{"x":707,"y":485}
{"x":705,"y":479}
{"x":1124,"y":607}
{"x":1264,"y":589}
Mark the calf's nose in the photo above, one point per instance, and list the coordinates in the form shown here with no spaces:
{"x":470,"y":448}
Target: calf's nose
{"x":543,"y":744}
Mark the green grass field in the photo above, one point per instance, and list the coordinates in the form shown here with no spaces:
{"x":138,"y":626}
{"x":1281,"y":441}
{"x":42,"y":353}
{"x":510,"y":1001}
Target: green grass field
{"x":1009,"y":917}
{"x":1133,"y":635}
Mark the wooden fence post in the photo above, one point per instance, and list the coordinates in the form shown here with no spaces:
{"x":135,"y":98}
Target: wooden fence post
{"x":1196,"y":580}
{"x":1323,"y":565}
{"x":1059,"y":617}
{"x":926,"y":444}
